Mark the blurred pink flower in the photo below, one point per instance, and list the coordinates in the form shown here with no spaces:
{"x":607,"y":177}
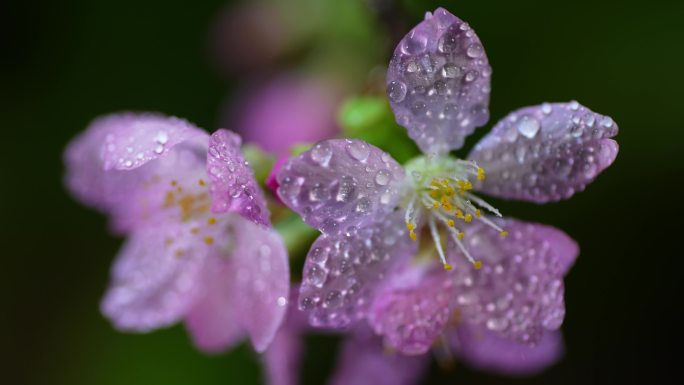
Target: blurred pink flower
{"x":288,"y":110}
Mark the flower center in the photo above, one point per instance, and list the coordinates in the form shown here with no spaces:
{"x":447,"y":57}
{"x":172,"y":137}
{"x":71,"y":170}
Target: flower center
{"x":191,"y":203}
{"x":440,"y":195}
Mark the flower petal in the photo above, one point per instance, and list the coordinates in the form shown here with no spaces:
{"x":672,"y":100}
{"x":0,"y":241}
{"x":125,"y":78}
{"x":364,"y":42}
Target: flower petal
{"x":233,"y":187}
{"x":485,"y":350}
{"x":342,"y":271}
{"x":340,"y":182}
{"x":518,"y":293}
{"x":283,"y":357}
{"x":155,"y":277}
{"x":412,"y":310}
{"x":363,"y":360}
{"x":438,"y":82}
{"x":130,"y":194}
{"x":247,"y":284}
{"x":545,"y":153}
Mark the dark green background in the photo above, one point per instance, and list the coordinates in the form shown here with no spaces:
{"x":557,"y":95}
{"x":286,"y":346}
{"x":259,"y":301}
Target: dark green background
{"x":65,"y":62}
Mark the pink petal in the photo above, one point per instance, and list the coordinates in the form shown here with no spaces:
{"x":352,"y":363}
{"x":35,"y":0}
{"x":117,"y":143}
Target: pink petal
{"x":438,"y":82}
{"x":413,"y":310}
{"x":485,"y":350}
{"x":342,"y":271}
{"x":363,"y":361}
{"x":130,"y":195}
{"x":283,"y":357}
{"x":545,"y":153}
{"x":518,"y":293}
{"x":247,"y":279}
{"x":233,"y":187}
{"x":340,"y":182}
{"x":155,"y":277}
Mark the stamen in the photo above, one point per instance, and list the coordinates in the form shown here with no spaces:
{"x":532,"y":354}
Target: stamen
{"x":211,"y":221}
{"x":457,"y":239}
{"x":438,"y":244}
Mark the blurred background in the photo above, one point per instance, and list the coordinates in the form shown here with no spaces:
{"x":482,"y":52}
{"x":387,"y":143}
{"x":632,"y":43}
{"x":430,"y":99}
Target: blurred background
{"x":235,"y":64}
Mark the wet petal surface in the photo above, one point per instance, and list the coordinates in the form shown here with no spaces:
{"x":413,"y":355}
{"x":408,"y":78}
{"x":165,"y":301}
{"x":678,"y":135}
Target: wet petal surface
{"x":247,"y":282}
{"x":518,"y":292}
{"x":155,"y":278}
{"x":546,"y":152}
{"x":438,"y":82}
{"x":342,"y":271}
{"x":340,"y":182}
{"x":233,"y":187}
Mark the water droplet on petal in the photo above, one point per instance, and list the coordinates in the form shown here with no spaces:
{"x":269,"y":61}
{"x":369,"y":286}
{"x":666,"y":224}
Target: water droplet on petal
{"x":414,"y":44}
{"x":450,"y":71}
{"x":358,"y":150}
{"x":382,"y":177}
{"x":475,"y":50}
{"x":528,"y":126}
{"x":321,"y":154}
{"x":396,"y":91}
{"x":546,"y":108}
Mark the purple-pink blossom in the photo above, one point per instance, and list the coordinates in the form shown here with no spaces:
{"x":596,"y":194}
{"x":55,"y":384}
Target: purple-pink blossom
{"x":199,"y":247}
{"x":413,"y":251}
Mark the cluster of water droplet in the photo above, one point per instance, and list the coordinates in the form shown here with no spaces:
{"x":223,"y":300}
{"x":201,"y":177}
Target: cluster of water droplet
{"x":233,"y":185}
{"x":342,"y":270}
{"x":338,"y":182}
{"x":439,"y":82}
{"x":412,"y":318}
{"x":518,"y":293}
{"x":547,"y":152}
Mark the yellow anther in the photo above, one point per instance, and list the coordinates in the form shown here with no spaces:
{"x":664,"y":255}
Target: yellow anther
{"x":201,"y":182}
{"x":168,"y":241}
{"x":459,"y":214}
{"x":468,"y":218}
{"x":179,"y":253}
{"x":434,"y":193}
{"x":412,"y":235}
{"x":174,"y":183}
{"x":169,"y":199}
{"x":504,"y":233}
{"x":410,"y":226}
{"x":211,"y":221}
{"x":477,"y":265}
{"x":478,"y":213}
{"x":179,"y":189}
{"x":445,"y":182}
{"x":449,"y":191}
{"x":208,"y":240}
{"x":480,"y":173}
{"x":447,"y":266}
{"x":435,"y":205}
{"x":451,"y":223}
{"x":435,"y":183}
{"x":461,"y":235}
{"x":195,"y":230}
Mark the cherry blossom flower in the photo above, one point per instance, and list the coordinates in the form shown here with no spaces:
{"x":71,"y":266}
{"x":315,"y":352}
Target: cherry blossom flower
{"x":199,"y":244}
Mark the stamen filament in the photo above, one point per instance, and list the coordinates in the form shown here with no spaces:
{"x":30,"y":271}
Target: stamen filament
{"x":438,"y":244}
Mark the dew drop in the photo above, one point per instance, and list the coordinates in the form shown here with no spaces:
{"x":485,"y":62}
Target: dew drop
{"x":162,"y":137}
{"x":546,"y":108}
{"x":315,"y":276}
{"x":471,"y":76}
{"x":363,"y":205}
{"x":333,"y":299}
{"x":358,"y":150}
{"x":382,"y":177}
{"x":528,"y":126}
{"x":414,"y":44}
{"x":396,"y":91}
{"x":321,"y":154}
{"x":475,"y":50}
{"x":448,"y":42}
{"x":450,"y":71}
